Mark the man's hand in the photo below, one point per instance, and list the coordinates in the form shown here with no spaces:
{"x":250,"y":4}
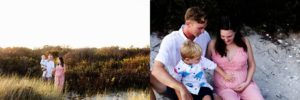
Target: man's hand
{"x":184,"y":93}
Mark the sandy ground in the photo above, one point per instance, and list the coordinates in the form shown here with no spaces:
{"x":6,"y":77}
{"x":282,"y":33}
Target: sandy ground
{"x":277,"y":65}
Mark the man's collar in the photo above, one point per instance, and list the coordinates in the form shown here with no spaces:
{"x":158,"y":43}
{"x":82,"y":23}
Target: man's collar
{"x":181,"y":32}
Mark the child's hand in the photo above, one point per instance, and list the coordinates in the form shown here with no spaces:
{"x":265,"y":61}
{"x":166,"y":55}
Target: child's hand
{"x":228,"y":77}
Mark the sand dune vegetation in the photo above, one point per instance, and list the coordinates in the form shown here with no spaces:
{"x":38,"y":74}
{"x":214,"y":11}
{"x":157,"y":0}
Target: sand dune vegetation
{"x":16,"y":88}
{"x":90,"y":71}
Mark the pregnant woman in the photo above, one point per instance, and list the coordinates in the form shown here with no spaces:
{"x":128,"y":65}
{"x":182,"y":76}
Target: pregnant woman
{"x":59,"y":74}
{"x":233,"y":53}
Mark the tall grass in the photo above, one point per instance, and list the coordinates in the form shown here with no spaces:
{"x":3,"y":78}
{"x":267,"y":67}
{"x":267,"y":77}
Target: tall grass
{"x":130,"y":94}
{"x":138,"y":95}
{"x":16,"y":88}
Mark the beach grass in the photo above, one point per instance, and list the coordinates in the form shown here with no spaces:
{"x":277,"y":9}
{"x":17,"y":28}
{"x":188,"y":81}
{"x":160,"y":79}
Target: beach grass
{"x":14,"y":87}
{"x":130,"y":94}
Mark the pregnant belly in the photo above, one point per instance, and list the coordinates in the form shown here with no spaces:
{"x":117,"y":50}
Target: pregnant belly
{"x":239,"y":77}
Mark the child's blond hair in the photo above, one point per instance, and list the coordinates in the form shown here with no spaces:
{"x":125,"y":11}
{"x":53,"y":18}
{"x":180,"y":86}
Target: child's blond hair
{"x":190,"y":49}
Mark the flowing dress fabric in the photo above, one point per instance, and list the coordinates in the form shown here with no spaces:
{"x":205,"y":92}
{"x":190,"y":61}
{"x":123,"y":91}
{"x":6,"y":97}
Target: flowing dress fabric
{"x":59,"y":77}
{"x":237,"y":66}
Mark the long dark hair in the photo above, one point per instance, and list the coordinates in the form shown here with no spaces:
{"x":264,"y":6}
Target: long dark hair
{"x":61,"y":61}
{"x":227,"y":24}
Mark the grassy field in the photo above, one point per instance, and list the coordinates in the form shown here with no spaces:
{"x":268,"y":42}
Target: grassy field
{"x":16,"y":88}
{"x":130,"y":94}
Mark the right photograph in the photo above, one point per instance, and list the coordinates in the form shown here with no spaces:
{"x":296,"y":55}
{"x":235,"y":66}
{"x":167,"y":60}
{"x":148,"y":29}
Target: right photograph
{"x":224,"y":50}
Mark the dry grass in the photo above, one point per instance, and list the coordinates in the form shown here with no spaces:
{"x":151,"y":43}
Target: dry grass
{"x":138,"y":95}
{"x":16,"y":88}
{"x":129,"y":95}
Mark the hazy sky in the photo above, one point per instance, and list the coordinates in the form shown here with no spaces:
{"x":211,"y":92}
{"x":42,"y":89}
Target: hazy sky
{"x":76,"y":23}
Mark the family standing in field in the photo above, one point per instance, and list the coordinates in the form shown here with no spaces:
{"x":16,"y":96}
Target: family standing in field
{"x":184,"y":55}
{"x":50,"y":69}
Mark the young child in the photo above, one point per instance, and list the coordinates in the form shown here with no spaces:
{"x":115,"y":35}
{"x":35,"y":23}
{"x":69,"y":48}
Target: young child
{"x":190,"y":71}
{"x":43,"y":66}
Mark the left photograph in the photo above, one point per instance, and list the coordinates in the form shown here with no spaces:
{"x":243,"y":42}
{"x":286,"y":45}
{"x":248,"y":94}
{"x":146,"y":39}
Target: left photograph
{"x":65,"y":50}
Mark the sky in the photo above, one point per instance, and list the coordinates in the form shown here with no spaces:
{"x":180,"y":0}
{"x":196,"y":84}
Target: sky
{"x":74,"y":23}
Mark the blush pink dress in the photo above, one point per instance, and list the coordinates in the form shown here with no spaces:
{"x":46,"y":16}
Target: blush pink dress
{"x":238,"y":67}
{"x":59,"y":77}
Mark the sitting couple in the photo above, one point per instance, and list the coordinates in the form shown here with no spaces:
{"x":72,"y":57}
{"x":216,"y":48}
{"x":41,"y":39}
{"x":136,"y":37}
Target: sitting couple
{"x":178,"y":70}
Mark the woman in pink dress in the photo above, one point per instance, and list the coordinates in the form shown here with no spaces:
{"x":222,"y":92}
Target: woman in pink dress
{"x":233,"y":53}
{"x":59,"y":73}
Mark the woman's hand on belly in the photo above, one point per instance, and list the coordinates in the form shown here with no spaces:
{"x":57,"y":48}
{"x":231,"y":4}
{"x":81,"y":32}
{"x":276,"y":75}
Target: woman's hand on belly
{"x":241,"y":87}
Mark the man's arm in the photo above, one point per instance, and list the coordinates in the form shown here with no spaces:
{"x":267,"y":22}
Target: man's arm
{"x":164,"y":77}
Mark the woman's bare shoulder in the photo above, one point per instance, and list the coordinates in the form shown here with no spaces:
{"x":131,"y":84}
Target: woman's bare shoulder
{"x":246,"y":40}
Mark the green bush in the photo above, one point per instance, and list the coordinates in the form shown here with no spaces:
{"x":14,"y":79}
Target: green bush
{"x":107,"y":69}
